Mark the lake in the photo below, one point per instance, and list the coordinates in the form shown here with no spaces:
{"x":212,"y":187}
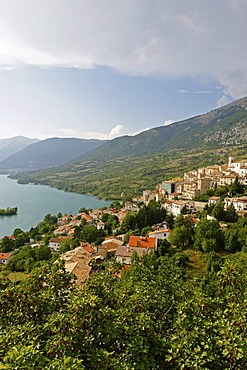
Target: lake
{"x":35,"y":201}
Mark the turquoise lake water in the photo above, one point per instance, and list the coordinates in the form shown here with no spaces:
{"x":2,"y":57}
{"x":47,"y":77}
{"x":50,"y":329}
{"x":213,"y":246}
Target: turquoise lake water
{"x":35,"y":201}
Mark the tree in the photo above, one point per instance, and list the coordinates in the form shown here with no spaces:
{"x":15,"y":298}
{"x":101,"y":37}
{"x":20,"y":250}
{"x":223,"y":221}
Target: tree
{"x":89,"y":234}
{"x":209,"y":236}
{"x":181,"y":237}
{"x":218,"y":212}
{"x":6,"y":245}
{"x":231,"y":214}
{"x":65,"y":245}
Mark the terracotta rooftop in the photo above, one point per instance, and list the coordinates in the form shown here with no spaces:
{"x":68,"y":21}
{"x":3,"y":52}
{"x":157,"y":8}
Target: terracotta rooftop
{"x":5,"y":256}
{"x":141,"y":242}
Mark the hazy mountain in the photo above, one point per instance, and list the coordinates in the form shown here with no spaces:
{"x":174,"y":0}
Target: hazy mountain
{"x":220,"y":127}
{"x":14,"y":145}
{"x":48,"y":153}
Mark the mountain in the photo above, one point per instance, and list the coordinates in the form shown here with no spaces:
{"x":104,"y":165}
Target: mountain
{"x":220,"y":127}
{"x":130,"y":164}
{"x":47,"y":153}
{"x":13,"y":145}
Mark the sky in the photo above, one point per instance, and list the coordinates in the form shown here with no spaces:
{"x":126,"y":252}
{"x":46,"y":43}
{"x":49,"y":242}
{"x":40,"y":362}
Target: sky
{"x":107,"y":68}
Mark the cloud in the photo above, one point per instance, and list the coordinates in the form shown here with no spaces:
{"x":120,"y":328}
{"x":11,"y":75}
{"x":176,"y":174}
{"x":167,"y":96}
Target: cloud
{"x":235,"y":82}
{"x":168,"y":122}
{"x":185,"y":91}
{"x":118,"y":130}
{"x":223,"y":101}
{"x":135,"y":37}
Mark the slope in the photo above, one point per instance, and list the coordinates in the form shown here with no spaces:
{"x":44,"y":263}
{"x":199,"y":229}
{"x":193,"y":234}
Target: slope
{"x":220,"y":127}
{"x":48,"y":153}
{"x":128,"y":165}
{"x":13,"y":145}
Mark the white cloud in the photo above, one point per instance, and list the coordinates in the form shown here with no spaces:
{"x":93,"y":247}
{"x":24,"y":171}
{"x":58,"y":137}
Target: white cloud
{"x":118,"y":130}
{"x":137,"y":37}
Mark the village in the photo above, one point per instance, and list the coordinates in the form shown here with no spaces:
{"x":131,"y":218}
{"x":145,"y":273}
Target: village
{"x":176,"y":197}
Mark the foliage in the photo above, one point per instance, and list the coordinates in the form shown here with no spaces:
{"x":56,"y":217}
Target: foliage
{"x":151,"y":317}
{"x":148,"y":215}
{"x":8,"y":211}
{"x":26,"y":258}
{"x":208,"y":236}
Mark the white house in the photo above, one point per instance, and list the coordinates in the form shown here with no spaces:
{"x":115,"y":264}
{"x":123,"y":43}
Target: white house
{"x":160,"y":234}
{"x":240,"y":204}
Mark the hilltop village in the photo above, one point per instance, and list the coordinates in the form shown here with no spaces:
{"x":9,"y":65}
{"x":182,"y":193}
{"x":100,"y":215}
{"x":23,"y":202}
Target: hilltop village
{"x":138,"y":226}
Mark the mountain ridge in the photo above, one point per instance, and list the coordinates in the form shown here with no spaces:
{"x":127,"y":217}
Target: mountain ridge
{"x":10,"y":146}
{"x":47,"y":153}
{"x":128,"y":165}
{"x":221,"y":126}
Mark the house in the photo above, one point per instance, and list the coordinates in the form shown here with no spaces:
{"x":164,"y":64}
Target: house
{"x":138,"y":244}
{"x":109,"y":246}
{"x":141,"y":242}
{"x":89,"y":219}
{"x":240,"y":204}
{"x":5,"y":257}
{"x":78,"y":262}
{"x":159,"y":234}
{"x":100,"y":225}
{"x":124,"y":253}
{"x":213,"y":200}
{"x":108,"y":249}
{"x":54,"y":243}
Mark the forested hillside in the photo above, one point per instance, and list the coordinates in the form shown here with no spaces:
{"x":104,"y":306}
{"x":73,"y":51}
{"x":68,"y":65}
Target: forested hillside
{"x":220,"y":127}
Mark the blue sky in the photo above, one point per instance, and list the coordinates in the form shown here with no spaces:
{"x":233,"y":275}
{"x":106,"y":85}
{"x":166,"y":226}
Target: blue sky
{"x":100,"y":69}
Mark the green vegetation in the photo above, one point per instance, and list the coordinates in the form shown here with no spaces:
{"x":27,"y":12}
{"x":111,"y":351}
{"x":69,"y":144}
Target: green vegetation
{"x":154,"y":316}
{"x":182,"y":307}
{"x":118,"y":178}
{"x":8,"y":211}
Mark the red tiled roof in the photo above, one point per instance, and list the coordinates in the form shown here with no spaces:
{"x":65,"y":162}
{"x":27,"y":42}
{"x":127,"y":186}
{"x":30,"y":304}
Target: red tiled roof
{"x":88,"y":249}
{"x":5,"y":256}
{"x":141,"y":242}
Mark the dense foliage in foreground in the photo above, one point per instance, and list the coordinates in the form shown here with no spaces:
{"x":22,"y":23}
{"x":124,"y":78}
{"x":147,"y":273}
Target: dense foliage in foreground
{"x":152,"y":317}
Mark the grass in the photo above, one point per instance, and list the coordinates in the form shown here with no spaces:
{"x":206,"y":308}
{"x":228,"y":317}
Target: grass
{"x":15,"y":276}
{"x":196,"y":264}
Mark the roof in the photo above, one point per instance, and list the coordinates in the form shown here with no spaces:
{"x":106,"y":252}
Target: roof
{"x":88,"y":249}
{"x":123,"y":251}
{"x":160,"y":231}
{"x":114,"y":240}
{"x":5,"y":256}
{"x":109,"y":246}
{"x":141,"y":242}
{"x":55,"y":240}
{"x":79,"y":269}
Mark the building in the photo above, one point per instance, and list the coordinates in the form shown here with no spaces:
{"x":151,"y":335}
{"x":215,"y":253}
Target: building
{"x":159,"y":234}
{"x":5,"y":257}
{"x":138,"y":244}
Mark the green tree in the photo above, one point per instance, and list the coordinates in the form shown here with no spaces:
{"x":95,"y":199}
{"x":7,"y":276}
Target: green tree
{"x":218,"y":212}
{"x":181,"y":237}
{"x":209,"y":236}
{"x":7,"y":244}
